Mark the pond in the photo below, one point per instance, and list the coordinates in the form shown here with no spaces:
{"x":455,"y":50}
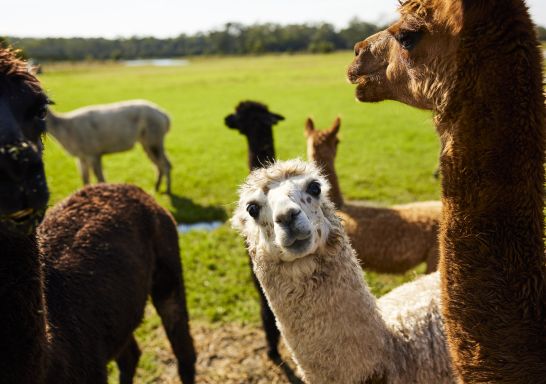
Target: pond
{"x":199,"y":226}
{"x":157,"y":62}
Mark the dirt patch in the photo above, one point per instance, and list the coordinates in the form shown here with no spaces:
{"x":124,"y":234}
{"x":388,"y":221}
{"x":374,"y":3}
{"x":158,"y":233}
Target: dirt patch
{"x":227,"y":354}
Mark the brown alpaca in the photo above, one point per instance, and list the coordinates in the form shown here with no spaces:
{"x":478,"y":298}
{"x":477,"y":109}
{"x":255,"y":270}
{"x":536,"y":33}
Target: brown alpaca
{"x":71,"y":303}
{"x":386,"y":239}
{"x":478,"y":66}
{"x":255,"y":121}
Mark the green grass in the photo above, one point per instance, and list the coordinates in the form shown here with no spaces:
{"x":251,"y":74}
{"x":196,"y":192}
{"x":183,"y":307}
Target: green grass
{"x":388,"y":154}
{"x":388,"y":151}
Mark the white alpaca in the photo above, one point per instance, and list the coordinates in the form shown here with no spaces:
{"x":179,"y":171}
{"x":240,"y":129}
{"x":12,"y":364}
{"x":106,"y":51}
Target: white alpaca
{"x":90,"y":132}
{"x":335,"y":328}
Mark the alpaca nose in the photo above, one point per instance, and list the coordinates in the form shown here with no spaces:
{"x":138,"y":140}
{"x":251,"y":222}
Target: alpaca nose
{"x":287,"y":218}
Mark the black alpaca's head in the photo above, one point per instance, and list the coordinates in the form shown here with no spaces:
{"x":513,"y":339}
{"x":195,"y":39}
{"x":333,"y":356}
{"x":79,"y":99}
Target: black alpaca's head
{"x":23,"y":107}
{"x":254,"y":120}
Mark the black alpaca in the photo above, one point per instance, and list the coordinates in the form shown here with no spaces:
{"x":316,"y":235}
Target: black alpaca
{"x":71,"y":298}
{"x":255,"y":121}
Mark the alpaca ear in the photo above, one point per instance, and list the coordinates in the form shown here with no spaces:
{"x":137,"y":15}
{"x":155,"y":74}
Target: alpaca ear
{"x":309,"y":127}
{"x":275,"y":117}
{"x":335,"y":127}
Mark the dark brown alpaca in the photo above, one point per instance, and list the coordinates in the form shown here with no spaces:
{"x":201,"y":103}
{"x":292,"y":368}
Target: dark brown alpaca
{"x":71,"y":303}
{"x":255,"y":121}
{"x":478,"y":65}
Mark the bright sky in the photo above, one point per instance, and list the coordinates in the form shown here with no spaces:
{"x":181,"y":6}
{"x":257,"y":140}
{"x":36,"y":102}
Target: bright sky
{"x":169,"y":18}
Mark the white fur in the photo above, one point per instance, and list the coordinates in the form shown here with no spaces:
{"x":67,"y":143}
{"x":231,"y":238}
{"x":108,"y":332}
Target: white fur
{"x":90,"y":132}
{"x":336,"y":329}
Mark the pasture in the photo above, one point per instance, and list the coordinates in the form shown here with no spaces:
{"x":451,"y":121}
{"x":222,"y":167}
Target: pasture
{"x":388,"y":153}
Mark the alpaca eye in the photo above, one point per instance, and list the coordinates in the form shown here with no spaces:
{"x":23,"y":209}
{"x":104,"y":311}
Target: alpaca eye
{"x":408,"y":39}
{"x":41,"y":113}
{"x":253,"y":210}
{"x":314,"y":188}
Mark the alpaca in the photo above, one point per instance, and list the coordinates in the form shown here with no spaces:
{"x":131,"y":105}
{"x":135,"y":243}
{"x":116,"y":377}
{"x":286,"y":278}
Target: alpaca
{"x":478,"y":66}
{"x":72,"y":297}
{"x":255,"y":121}
{"x":335,"y":328}
{"x":90,"y":132}
{"x":386,"y":240}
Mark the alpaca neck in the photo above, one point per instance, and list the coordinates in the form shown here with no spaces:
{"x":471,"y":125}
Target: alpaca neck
{"x":328,"y":316}
{"x":22,"y":317}
{"x":493,"y":176}
{"x":260,"y":157}
{"x":55,"y":126}
{"x":328,"y":167}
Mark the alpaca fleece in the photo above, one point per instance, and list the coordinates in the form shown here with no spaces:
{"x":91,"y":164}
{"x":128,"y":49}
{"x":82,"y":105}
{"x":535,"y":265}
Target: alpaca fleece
{"x":386,"y":239}
{"x":90,"y":132}
{"x":335,"y":328}
{"x":478,"y":66}
{"x":105,"y":248}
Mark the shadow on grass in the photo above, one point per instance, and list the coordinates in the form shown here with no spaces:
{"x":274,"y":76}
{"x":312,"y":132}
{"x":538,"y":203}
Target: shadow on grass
{"x":186,"y":211}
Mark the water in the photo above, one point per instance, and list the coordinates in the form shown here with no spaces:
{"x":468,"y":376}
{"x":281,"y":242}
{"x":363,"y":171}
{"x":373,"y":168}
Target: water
{"x":157,"y":63}
{"x":200,"y":226}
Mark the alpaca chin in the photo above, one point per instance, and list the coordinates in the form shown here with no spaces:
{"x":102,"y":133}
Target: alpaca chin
{"x":295,"y":247}
{"x":291,"y":254}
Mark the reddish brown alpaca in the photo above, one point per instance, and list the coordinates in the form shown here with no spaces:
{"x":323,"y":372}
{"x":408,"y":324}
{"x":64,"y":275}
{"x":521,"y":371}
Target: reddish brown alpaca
{"x":386,"y":239}
{"x":69,"y":309}
{"x":478,"y":65}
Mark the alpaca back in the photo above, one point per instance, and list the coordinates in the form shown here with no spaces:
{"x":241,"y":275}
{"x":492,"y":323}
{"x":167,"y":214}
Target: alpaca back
{"x":99,"y":248}
{"x":412,"y":313}
{"x":110,"y":128}
{"x":393,"y":239}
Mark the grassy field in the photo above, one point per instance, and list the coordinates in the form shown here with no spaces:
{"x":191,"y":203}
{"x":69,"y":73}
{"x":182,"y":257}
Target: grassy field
{"x":387,"y":155}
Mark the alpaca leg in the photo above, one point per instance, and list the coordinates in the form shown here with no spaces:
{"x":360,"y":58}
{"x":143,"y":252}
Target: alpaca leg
{"x":432,"y":259}
{"x":159,"y":178}
{"x":97,"y":376}
{"x":97,"y":168}
{"x":272,"y":333}
{"x":84,"y":170}
{"x":169,"y":299}
{"x":127,"y":361}
{"x":167,"y":170}
{"x":156,"y":153}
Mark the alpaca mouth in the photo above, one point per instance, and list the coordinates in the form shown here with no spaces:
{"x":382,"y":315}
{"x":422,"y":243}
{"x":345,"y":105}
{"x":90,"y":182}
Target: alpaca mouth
{"x":299,"y":244}
{"x":22,"y":215}
{"x":23,"y":221}
{"x":359,"y":77}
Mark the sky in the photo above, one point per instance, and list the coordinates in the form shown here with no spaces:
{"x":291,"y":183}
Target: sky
{"x":169,"y":18}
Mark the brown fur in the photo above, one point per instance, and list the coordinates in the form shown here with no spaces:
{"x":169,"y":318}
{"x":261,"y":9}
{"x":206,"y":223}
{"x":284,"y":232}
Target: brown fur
{"x":67,"y":310}
{"x":478,"y":65}
{"x":386,"y":239}
{"x":123,"y":246}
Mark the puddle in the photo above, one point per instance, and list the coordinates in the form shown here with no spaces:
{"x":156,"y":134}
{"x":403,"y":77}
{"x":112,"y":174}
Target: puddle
{"x":157,"y":63}
{"x":200,"y":226}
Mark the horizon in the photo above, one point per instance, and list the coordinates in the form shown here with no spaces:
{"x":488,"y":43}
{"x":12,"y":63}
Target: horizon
{"x":171,"y":18}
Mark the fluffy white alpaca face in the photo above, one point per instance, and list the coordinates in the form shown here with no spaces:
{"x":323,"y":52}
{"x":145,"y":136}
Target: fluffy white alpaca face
{"x":283,"y":219}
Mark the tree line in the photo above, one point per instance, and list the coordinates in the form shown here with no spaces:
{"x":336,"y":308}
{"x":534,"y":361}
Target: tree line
{"x":231,"y":39}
